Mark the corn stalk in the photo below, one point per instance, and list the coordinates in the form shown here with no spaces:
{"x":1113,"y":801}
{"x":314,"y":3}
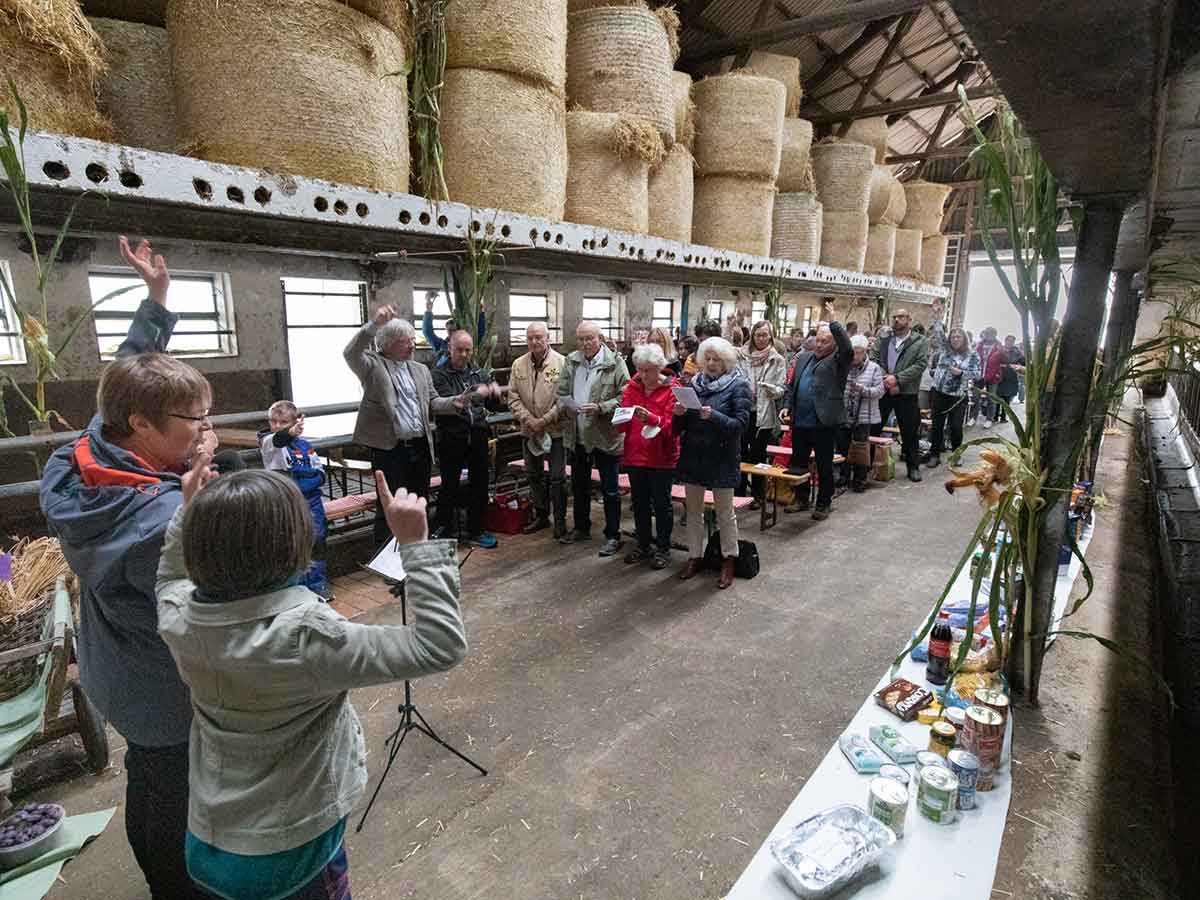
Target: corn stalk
{"x":472,"y":299}
{"x":427,"y":72}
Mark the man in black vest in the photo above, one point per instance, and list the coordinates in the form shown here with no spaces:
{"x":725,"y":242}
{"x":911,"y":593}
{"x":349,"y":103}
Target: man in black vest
{"x":903,"y":356}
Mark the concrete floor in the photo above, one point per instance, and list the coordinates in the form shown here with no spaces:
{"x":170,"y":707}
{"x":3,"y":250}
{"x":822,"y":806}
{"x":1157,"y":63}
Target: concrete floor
{"x":642,"y":734}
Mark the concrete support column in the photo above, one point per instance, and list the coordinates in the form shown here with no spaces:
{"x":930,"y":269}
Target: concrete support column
{"x":1121,"y":314}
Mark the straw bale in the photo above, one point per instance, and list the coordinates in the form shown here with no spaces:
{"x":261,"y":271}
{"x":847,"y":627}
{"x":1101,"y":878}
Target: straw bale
{"x":504,"y":141}
{"x":54,"y":57}
{"x":391,"y":13}
{"x":908,"y":253}
{"x":685,"y":109}
{"x":619,"y":61}
{"x":933,"y":258}
{"x":603,"y":187}
{"x":873,"y":133}
{"x":522,"y":37}
{"x":300,"y":87}
{"x":672,"y":191}
{"x":881,"y":249}
{"x":739,"y":125}
{"x":671,"y":25}
{"x":795,"y":166}
{"x":843,"y":173}
{"x":733,"y":213}
{"x":844,"y":239}
{"x":926,"y":202}
{"x":796,"y":227}
{"x":136,"y":92}
{"x":784,"y":69}
{"x":888,"y":203}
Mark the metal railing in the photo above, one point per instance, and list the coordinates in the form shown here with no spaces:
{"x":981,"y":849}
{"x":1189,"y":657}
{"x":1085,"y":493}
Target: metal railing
{"x":1185,"y":379}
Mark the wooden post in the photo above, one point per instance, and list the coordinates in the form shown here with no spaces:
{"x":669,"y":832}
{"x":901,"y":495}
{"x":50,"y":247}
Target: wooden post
{"x":958,"y":308}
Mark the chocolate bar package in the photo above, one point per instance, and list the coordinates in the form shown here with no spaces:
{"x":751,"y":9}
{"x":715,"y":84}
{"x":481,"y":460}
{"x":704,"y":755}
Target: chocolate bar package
{"x":904,"y":699}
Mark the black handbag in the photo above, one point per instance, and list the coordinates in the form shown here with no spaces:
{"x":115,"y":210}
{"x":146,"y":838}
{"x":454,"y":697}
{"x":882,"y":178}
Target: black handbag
{"x":745,"y":566}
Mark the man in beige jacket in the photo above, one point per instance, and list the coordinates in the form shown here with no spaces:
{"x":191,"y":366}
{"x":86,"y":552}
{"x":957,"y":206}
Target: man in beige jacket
{"x":532,"y":397}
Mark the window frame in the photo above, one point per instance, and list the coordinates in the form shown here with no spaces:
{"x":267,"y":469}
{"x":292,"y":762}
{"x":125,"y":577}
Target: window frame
{"x":364,"y":310}
{"x":12,"y":337}
{"x":418,"y":314}
{"x":672,"y":321}
{"x":517,"y":325}
{"x":615,"y":329}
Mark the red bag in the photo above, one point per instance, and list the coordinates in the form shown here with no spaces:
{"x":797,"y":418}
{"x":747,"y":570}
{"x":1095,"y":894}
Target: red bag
{"x":508,"y":514}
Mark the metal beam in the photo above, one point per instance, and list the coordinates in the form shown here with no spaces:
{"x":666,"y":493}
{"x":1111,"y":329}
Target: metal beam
{"x":760,"y":19}
{"x":846,"y":55}
{"x":943,"y":120}
{"x":898,"y":108}
{"x":902,"y":27}
{"x":859,"y":79}
{"x":957,"y":75}
{"x":851,"y":14}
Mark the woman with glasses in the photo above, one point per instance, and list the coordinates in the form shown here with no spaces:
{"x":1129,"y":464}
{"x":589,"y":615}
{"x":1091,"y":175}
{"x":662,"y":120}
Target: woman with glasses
{"x":108,"y":498}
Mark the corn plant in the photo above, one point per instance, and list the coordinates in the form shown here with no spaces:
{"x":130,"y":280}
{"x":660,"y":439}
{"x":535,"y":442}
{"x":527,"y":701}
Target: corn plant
{"x":428,"y":68}
{"x":472,"y":299}
{"x":40,"y":350}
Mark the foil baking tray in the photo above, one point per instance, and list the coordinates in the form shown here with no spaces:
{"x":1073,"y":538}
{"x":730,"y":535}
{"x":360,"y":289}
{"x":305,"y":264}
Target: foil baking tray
{"x":825,"y":852}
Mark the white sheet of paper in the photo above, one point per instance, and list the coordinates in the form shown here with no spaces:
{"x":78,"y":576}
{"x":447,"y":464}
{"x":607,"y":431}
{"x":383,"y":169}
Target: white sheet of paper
{"x":569,"y":402}
{"x":388,"y":562}
{"x":622,"y":414}
{"x":687,"y":396}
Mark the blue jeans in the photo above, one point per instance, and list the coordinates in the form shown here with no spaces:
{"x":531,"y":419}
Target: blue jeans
{"x":650,"y":490}
{"x":581,"y":482}
{"x":331,"y":883}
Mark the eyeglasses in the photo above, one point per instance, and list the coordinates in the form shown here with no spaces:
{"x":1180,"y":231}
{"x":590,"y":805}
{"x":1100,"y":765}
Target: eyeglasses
{"x":203,"y":417}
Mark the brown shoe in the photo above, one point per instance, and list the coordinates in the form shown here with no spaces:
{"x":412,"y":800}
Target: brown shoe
{"x":726,"y":572}
{"x":691,"y":569}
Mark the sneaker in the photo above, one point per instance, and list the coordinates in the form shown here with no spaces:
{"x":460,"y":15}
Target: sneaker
{"x":610,"y":546}
{"x":485,"y":540}
{"x":970,"y":423}
{"x":536,"y":525}
{"x":572,"y":536}
{"x":662,"y":559}
{"x":987,"y":423}
{"x":821,"y":513}
{"x":636,"y":555}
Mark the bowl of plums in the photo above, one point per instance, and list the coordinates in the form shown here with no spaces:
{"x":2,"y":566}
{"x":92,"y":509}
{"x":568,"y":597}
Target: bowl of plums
{"x":28,"y":833}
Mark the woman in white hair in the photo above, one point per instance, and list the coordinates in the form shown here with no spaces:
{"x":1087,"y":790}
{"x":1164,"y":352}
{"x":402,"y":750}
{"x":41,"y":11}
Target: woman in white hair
{"x":864,"y":387}
{"x":710,"y":451}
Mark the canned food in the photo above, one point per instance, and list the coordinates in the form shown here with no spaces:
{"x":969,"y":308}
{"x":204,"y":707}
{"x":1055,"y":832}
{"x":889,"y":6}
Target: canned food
{"x":983,"y":736}
{"x":965,"y":767}
{"x":992,"y":700}
{"x":956,"y":716}
{"x":929,"y":758}
{"x":937,"y":794}
{"x":942,"y":737}
{"x":887,"y":801}
{"x":894,"y":772}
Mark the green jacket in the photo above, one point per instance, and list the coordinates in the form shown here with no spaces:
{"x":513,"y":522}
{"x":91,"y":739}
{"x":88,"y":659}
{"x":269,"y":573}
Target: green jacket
{"x":910,"y":365}
{"x":598,"y":432}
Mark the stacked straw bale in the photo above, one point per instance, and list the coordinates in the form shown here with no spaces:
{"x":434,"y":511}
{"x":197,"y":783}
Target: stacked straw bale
{"x":873,"y":133}
{"x":54,"y":57}
{"x":298,"y":86}
{"x":784,"y":69}
{"x":672,"y":193}
{"x":733,"y":213}
{"x":933,"y":258}
{"x":795,"y":166}
{"x":391,"y":14}
{"x":504,"y":142}
{"x":796,"y":227}
{"x":926,"y":202}
{"x":136,"y":92}
{"x":521,"y":37}
{"x":908,"y":253}
{"x":843,"y":172}
{"x":685,"y":109}
{"x":608,"y":178}
{"x":888,"y":203}
{"x":619,"y":60}
{"x":739,"y":125}
{"x":881,"y":249}
{"x":844,"y":239}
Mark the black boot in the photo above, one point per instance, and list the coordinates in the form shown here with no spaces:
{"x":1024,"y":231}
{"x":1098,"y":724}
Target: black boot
{"x":914,"y":473}
{"x":933,"y":461}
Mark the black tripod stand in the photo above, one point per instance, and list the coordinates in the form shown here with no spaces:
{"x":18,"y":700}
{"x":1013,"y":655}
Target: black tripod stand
{"x":410,"y":720}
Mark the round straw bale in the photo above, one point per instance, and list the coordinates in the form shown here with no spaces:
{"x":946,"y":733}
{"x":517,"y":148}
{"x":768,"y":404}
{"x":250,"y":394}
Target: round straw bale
{"x":671,"y":25}
{"x":888,"y":203}
{"x":685,"y":109}
{"x":881,"y":250}
{"x":672,"y":190}
{"x":739,"y":125}
{"x":733,"y":213}
{"x":784,"y":69}
{"x":619,"y":61}
{"x":608,"y":178}
{"x":908,"y":253}
{"x":796,"y":227}
{"x":54,"y":57}
{"x":522,"y":37}
{"x":844,"y":239}
{"x":926,"y":201}
{"x":794,"y":162}
{"x":873,"y":133}
{"x":843,"y":173}
{"x":136,"y":91}
{"x":299,"y":86}
{"x":504,"y":141}
{"x":392,"y":14}
{"x":933,"y":258}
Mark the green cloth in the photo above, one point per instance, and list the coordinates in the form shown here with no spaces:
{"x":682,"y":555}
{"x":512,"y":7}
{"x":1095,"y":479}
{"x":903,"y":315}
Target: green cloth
{"x":21,"y":716}
{"x":34,"y":879}
{"x":239,"y":876}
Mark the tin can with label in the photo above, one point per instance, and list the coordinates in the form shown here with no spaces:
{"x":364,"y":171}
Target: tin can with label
{"x":993,"y":700}
{"x":929,"y":758}
{"x":937,"y":794}
{"x":965,"y":767}
{"x":887,"y":801}
{"x":956,"y":716}
{"x":983,"y":736}
{"x":894,"y":772}
{"x":942,"y":737}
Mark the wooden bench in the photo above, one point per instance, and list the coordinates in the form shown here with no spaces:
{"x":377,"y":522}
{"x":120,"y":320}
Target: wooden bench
{"x":678,"y":492}
{"x":352,"y":504}
{"x":773,"y":450}
{"x":773,"y":476}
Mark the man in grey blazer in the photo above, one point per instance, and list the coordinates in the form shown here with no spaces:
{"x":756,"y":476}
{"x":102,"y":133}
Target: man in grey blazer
{"x":395,"y":417}
{"x":814,"y":406}
{"x":903,"y":356}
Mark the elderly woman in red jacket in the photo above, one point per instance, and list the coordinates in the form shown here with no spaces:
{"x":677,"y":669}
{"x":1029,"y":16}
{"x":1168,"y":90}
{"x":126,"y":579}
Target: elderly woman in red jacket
{"x":651,"y":451}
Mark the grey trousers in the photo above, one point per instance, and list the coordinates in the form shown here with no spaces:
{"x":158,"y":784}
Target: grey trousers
{"x":554,"y":500}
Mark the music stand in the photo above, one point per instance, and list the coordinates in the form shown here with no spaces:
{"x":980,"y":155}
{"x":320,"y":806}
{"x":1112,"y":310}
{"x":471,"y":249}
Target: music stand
{"x":410,"y":720}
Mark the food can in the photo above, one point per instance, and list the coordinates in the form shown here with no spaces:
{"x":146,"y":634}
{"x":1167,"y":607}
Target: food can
{"x":937,"y":794}
{"x":965,"y":767}
{"x":983,"y":736}
{"x":942,"y":737}
{"x":929,"y":758}
{"x":996,"y":700}
{"x":956,"y":716}
{"x":894,"y":772}
{"x":887,"y":801}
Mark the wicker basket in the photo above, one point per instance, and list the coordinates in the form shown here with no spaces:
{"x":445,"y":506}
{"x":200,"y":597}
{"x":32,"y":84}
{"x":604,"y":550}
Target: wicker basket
{"x":843,"y":170}
{"x":18,"y":631}
{"x":796,"y":228}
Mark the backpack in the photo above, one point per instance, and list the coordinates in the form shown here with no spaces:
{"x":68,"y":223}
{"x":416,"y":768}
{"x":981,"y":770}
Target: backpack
{"x":746,"y":565}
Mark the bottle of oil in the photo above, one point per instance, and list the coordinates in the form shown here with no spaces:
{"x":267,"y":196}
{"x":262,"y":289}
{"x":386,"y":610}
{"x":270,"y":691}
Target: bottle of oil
{"x":937,"y":670}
